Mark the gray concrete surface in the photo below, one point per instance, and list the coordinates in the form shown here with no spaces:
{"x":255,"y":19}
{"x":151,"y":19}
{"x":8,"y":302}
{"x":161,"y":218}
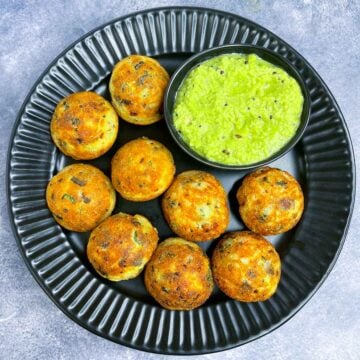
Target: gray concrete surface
{"x":32,"y":33}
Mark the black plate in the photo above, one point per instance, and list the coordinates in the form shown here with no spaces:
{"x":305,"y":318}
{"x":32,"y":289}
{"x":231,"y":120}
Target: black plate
{"x":124,"y":312}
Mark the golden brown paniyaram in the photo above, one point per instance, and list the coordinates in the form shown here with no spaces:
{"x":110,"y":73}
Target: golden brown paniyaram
{"x":120,"y":246}
{"x":142,"y":169}
{"x":246,"y":267}
{"x":80,"y":196}
{"x":137,"y":87}
{"x":270,"y":201}
{"x":84,"y":125}
{"x":178,"y":276}
{"x":195,"y":206}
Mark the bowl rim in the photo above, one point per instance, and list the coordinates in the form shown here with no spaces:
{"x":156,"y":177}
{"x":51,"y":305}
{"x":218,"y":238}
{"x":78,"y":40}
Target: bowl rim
{"x":207,"y":54}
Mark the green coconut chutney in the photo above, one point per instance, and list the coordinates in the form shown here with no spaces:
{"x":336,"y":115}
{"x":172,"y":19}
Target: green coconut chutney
{"x":237,"y":109}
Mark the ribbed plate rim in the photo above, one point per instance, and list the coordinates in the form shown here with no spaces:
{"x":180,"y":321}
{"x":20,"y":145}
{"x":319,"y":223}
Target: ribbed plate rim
{"x":129,"y":344}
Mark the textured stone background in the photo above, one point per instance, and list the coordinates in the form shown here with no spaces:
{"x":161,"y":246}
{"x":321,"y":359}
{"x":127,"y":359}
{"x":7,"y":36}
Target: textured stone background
{"x":34,"y":32}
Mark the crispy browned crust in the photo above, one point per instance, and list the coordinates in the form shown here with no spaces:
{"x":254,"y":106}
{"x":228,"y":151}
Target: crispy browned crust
{"x":270,"y":201}
{"x":137,"y":88}
{"x":120,"y":246}
{"x":142,"y":169}
{"x":80,"y":196}
{"x":195,"y":206}
{"x":246,"y":267}
{"x":84,"y":125}
{"x":178,"y":276}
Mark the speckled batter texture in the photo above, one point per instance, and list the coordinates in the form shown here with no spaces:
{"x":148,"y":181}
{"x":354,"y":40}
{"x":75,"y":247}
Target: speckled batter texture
{"x":34,"y":32}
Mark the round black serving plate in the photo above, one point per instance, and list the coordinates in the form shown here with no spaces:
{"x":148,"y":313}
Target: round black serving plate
{"x":266,"y":54}
{"x":123,"y":312}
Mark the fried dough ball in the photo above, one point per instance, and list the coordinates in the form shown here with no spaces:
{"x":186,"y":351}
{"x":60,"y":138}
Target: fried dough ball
{"x":195,"y":206}
{"x":137,"y":88}
{"x":271,"y":201}
{"x":84,"y":125}
{"x":246,"y":267}
{"x":120,"y":246}
{"x":178,"y":276}
{"x":80,"y":197}
{"x":142,"y":169}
